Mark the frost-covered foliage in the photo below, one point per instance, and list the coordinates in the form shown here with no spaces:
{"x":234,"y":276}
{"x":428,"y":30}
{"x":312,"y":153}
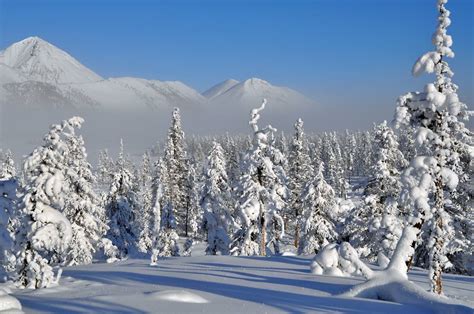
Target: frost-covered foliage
{"x":177,"y":169}
{"x":215,"y":202}
{"x":431,"y":181}
{"x":318,"y":223}
{"x":164,"y":236}
{"x":329,"y":261}
{"x":7,"y":166}
{"x":144,"y":220}
{"x":377,"y":223}
{"x":300,"y":171}
{"x":105,"y":169}
{"x":263,"y":193}
{"x":45,"y":233}
{"x":195,"y":214}
{"x":81,"y":206}
{"x":334,"y":170}
{"x":122,"y":207}
{"x":8,"y":218}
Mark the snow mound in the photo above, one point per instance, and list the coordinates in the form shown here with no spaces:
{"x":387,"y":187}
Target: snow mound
{"x":9,"y":304}
{"x":181,"y":296}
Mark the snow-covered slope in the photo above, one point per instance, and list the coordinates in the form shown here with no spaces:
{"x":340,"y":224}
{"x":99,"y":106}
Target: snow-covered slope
{"x":222,"y":284}
{"x":41,"y":61}
{"x":220,"y":88}
{"x":253,"y":90}
{"x":36,"y":74}
{"x":9,"y":75}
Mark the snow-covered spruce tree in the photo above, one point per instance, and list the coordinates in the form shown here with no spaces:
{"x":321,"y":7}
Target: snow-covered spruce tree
{"x":318,"y":225}
{"x":215,"y":203}
{"x":364,"y":153}
{"x":7,"y":169}
{"x":431,"y":179}
{"x":407,"y":142}
{"x":194,"y":199}
{"x":81,"y":207}
{"x":164,"y":236}
{"x":105,"y":169}
{"x":122,"y":207}
{"x":376,"y":224}
{"x":44,"y":232}
{"x":349,"y":154}
{"x":9,"y":202}
{"x":263,"y":193}
{"x":144,"y":220}
{"x":300,"y":170}
{"x":339,"y":180}
{"x":177,"y":168}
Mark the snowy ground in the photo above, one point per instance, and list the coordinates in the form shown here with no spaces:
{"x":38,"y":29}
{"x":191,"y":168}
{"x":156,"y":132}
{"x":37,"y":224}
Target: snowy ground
{"x":216,"y":284}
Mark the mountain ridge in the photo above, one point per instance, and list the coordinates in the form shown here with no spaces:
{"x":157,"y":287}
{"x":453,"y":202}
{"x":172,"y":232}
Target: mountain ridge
{"x":36,"y":70}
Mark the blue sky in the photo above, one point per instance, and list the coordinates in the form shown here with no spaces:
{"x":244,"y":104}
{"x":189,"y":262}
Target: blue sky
{"x":341,"y":53}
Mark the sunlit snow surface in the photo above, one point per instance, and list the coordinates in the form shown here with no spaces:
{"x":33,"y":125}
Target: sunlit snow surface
{"x":216,"y":284}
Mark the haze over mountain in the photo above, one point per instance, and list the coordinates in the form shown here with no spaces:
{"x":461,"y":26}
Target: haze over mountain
{"x":40,"y":84}
{"x":36,"y":74}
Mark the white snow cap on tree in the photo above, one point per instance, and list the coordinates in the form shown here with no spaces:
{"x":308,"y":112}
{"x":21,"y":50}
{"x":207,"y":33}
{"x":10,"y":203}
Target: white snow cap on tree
{"x":318,"y":226}
{"x":431,"y":180}
{"x":263,"y":193}
{"x":46,"y":233}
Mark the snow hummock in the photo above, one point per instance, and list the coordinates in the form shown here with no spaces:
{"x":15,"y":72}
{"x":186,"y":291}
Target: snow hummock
{"x":8,"y":303}
{"x":178,"y":296}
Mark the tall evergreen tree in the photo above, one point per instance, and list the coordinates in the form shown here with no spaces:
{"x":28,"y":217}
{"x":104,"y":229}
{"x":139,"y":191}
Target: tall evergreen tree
{"x":81,"y":205}
{"x":215,"y":202}
{"x":377,"y":224}
{"x":432,"y":178}
{"x":299,"y":173}
{"x":318,"y":226}
{"x":177,"y":170}
{"x":44,"y":233}
{"x":122,"y":207}
{"x":146,"y":197}
{"x":263,"y":193}
{"x":7,"y":169}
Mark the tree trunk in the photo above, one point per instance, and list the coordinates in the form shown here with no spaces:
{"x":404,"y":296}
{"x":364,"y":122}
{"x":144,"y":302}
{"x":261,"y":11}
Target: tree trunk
{"x":297,"y":234}
{"x":263,"y":236}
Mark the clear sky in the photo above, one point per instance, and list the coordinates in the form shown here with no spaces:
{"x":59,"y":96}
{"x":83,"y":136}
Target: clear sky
{"x":344,"y":52}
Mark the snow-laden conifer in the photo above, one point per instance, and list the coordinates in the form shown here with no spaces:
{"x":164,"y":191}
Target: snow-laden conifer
{"x":263,"y":193}
{"x":318,"y":224}
{"x":45,"y":233}
{"x":300,"y":171}
{"x":215,"y":203}
{"x":434,"y":174}
{"x":122,"y":207}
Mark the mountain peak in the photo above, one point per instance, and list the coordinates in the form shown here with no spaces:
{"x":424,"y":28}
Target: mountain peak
{"x":42,"y":61}
{"x":220,"y":88}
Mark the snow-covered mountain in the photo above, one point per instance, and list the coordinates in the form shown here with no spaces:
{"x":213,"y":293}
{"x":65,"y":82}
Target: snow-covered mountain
{"x":39,"y":60}
{"x":253,"y":90}
{"x":36,"y":74}
{"x":220,"y":88}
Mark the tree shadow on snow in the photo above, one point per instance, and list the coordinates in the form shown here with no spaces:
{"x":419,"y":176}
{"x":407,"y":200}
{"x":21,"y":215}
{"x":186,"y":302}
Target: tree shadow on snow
{"x":285,"y":301}
{"x":55,"y":305}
